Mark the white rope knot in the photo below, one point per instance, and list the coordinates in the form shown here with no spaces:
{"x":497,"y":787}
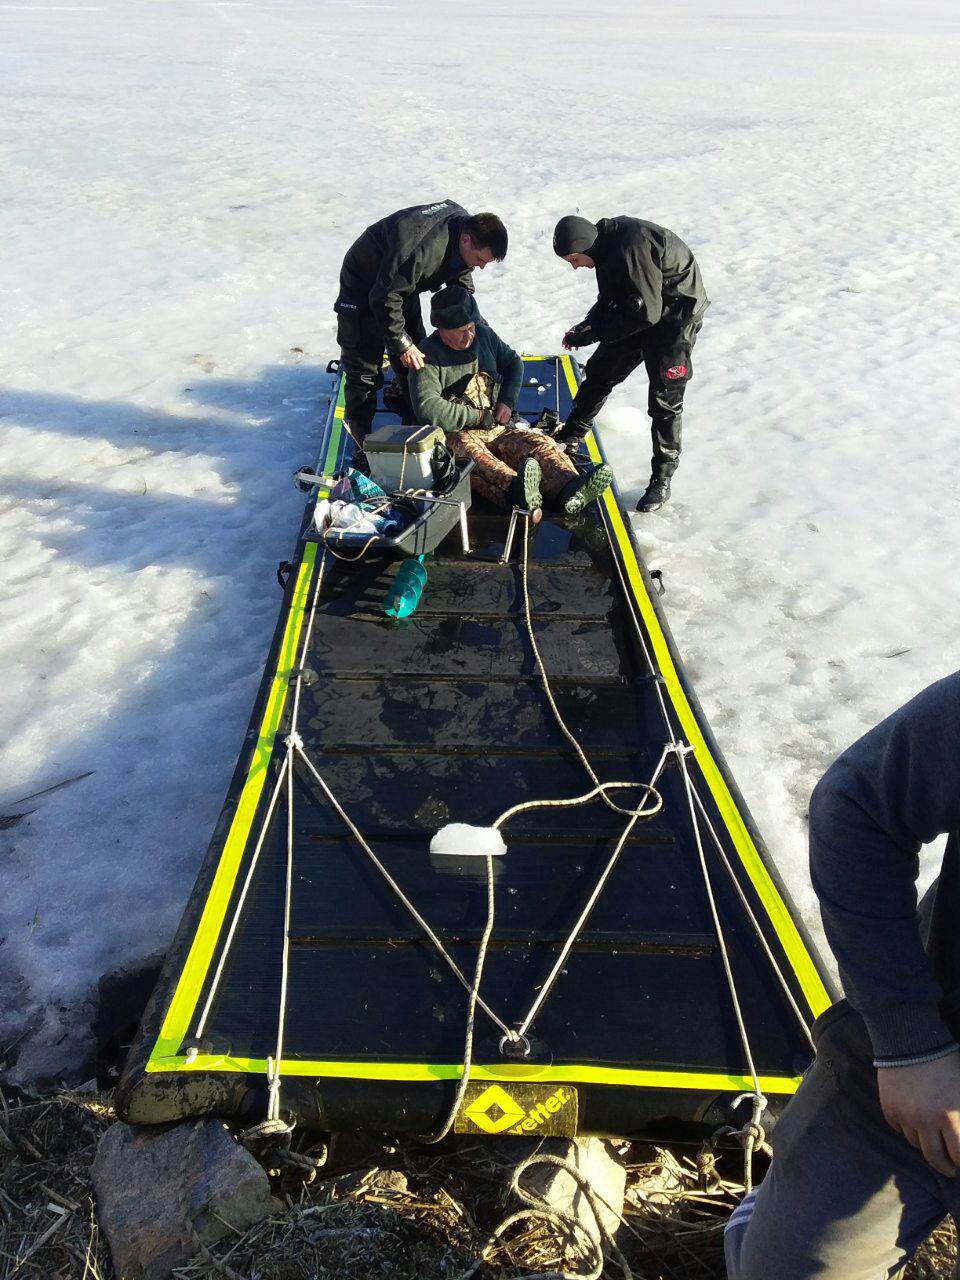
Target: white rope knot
{"x":273,"y":1088}
{"x":751,"y":1135}
{"x":266,"y":1129}
{"x":759,"y":1106}
{"x":293,"y":741}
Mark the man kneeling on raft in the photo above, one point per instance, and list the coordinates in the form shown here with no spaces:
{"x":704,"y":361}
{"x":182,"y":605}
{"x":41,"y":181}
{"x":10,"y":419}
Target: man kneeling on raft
{"x":468,"y":386}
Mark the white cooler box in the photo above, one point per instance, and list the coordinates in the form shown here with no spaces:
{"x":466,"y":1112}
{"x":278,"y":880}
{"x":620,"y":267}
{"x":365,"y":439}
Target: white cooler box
{"x":400,"y":456}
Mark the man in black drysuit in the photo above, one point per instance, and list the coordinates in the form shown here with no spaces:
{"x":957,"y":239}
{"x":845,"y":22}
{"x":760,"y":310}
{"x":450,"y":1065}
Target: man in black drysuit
{"x":413,"y":251}
{"x":650,"y":310}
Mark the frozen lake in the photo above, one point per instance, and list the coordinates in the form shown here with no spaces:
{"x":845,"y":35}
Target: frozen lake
{"x":181,"y":181}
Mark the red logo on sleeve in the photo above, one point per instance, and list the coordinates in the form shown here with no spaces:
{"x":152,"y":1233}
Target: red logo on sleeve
{"x":677,"y":371}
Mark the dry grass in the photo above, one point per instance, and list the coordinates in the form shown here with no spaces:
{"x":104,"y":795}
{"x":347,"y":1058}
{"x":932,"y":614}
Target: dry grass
{"x":430,"y":1215}
{"x":47,"y":1223}
{"x":416,"y":1214}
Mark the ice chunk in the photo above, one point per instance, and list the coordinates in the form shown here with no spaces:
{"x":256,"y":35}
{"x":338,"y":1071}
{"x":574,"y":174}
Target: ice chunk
{"x":461,"y":840}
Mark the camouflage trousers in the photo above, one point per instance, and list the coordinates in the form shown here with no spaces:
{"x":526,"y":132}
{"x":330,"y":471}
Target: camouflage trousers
{"x":498,"y":451}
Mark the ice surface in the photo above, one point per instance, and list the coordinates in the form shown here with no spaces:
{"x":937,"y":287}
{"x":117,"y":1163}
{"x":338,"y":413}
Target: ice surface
{"x":181,"y":181}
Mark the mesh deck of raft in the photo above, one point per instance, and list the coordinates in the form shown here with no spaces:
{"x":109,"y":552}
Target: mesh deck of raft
{"x":444,"y":718}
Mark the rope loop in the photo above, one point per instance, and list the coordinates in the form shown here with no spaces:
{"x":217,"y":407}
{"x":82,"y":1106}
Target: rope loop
{"x":308,"y":1166}
{"x":751,"y":1136}
{"x":589,"y":1240}
{"x":267,"y":1129}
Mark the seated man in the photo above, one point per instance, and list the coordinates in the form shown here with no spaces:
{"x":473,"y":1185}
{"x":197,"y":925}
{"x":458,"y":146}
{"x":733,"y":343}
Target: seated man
{"x":468,"y":386}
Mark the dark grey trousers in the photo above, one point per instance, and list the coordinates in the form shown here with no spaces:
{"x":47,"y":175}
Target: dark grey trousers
{"x":361,"y":355}
{"x":846,"y":1198}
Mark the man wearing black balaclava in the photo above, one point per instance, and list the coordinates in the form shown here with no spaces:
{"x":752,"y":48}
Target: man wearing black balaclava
{"x":649,"y":310}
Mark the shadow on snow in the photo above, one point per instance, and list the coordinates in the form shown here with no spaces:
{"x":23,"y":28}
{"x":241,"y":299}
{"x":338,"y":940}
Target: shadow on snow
{"x":97,"y":872}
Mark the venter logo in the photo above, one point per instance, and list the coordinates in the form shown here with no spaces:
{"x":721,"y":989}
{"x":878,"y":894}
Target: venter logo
{"x":527,"y":1108}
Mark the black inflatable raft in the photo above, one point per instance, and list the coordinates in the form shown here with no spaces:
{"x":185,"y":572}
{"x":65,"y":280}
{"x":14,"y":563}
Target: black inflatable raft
{"x":302,"y":963}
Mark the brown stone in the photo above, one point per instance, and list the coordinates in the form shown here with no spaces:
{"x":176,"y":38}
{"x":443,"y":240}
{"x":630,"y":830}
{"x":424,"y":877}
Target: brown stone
{"x":149,"y":1181}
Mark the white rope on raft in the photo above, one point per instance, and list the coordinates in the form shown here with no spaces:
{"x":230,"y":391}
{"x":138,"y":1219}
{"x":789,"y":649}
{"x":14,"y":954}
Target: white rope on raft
{"x":718,"y":845}
{"x":599,"y":789}
{"x":295,"y":747}
{"x":751,"y":1135}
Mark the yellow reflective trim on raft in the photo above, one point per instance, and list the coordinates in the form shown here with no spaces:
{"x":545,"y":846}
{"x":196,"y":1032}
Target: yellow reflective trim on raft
{"x":425,"y":1072}
{"x":333,"y":444}
{"x":177,"y":1020}
{"x":176,"y":1023}
{"x":785,"y":926}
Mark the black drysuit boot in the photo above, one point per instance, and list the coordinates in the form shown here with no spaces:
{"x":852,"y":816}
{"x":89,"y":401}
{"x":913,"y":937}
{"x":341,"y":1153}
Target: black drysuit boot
{"x":658,"y":492}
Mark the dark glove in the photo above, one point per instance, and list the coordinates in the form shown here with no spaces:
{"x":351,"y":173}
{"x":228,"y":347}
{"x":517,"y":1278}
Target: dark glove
{"x":486,"y":419}
{"x":581,"y":335}
{"x":548,"y":421}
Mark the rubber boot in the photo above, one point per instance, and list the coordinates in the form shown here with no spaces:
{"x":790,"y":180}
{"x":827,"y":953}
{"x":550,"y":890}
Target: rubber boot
{"x":582,"y":490}
{"x":524,"y":489}
{"x":658,"y":492}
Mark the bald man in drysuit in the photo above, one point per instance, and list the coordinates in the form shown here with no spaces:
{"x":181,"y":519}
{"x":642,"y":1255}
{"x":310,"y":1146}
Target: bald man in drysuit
{"x":649,"y":310}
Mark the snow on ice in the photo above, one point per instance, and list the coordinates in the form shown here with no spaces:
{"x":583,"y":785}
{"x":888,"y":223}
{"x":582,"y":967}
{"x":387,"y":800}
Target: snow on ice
{"x":181,"y":181}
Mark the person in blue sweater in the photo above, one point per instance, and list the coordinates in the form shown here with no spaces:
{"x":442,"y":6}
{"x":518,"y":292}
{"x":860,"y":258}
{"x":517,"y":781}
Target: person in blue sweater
{"x":865,"y":1157}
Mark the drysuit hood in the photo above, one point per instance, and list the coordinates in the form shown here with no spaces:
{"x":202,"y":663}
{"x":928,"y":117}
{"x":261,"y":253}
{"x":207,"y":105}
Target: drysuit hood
{"x":573,"y":234}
